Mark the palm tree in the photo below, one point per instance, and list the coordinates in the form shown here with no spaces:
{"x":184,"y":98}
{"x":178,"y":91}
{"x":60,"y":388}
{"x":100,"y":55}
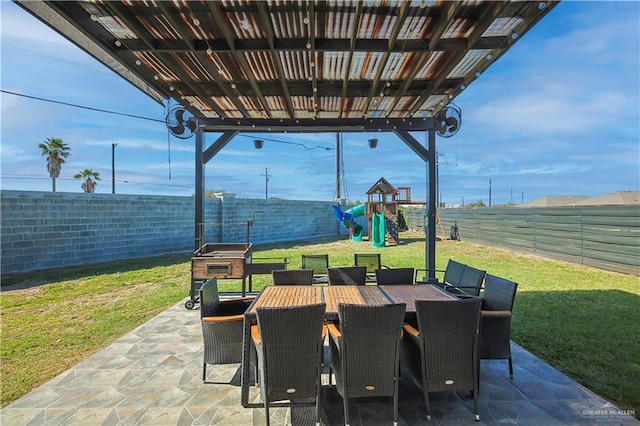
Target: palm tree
{"x":90,"y":177}
{"x":56,"y":152}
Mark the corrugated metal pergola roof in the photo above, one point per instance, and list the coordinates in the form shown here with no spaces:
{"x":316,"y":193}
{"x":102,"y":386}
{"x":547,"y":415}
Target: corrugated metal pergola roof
{"x":302,"y":65}
{"x":287,"y":64}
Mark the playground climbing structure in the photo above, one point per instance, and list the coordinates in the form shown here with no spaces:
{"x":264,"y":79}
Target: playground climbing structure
{"x":383,"y":214}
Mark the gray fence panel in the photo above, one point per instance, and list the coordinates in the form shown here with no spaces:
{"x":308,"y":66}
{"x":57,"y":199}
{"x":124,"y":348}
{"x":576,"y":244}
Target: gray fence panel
{"x":606,"y":237}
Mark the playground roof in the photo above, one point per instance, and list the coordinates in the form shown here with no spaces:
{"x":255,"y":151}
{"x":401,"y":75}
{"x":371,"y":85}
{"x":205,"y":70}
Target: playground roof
{"x":382,"y":186}
{"x":306,"y":64}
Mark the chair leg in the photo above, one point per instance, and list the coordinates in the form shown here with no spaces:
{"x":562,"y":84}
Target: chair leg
{"x":426,"y":397}
{"x":345,"y":403}
{"x":204,"y":371}
{"x":318,"y":400}
{"x":475,"y":402}
{"x":395,"y":403}
{"x":266,"y":413}
{"x":426,"y":405}
{"x":510,"y":368}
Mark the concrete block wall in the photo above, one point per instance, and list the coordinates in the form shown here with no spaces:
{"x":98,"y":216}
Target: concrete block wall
{"x":273,"y":220}
{"x":43,"y":230}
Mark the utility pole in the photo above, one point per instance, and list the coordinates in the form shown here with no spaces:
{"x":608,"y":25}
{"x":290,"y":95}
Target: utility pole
{"x":437,"y":181}
{"x":266,"y":183}
{"x":338,"y":171}
{"x":489,"y":192}
{"x":113,"y":167}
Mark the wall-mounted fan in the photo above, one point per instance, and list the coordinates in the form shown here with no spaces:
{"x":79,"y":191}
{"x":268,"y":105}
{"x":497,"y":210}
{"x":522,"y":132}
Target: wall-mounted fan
{"x":448,"y":120}
{"x":181,"y":123}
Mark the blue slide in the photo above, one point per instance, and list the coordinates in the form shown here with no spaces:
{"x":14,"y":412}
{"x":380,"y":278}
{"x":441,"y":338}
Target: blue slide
{"x":347,"y":218}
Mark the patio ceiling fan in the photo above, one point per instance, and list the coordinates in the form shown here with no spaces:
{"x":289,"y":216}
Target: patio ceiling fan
{"x":449,"y":120}
{"x":181,"y":123}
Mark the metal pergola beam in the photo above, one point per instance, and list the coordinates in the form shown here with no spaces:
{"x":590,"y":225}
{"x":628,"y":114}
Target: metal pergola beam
{"x":324,"y":125}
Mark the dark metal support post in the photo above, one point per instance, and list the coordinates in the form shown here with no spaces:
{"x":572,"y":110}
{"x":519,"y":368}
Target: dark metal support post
{"x":430,"y":243}
{"x":428,"y":155}
{"x":113,"y":167}
{"x":199,"y":195}
{"x":202,"y":157}
{"x":338,"y":169}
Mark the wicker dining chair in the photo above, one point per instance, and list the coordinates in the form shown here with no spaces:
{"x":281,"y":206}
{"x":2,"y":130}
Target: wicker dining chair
{"x":394,"y":276}
{"x":289,"y":342}
{"x":348,"y":275}
{"x":319,"y":263}
{"x":495,"y":329}
{"x":222,"y":326}
{"x":450,"y":276}
{"x":372,"y":261}
{"x":461,"y":279}
{"x":470,"y":283}
{"x":364,"y":352}
{"x":442,"y":355}
{"x":292,"y":276}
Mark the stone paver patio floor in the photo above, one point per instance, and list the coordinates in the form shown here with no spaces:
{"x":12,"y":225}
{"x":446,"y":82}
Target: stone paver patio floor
{"x":152,"y":376}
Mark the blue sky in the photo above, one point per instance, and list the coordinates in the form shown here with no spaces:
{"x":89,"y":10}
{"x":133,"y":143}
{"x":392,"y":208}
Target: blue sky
{"x":558,"y":114}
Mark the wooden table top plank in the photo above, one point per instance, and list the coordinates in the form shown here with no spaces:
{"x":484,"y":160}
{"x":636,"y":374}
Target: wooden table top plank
{"x":284,"y":296}
{"x":356,"y":295}
{"x":408,"y":294}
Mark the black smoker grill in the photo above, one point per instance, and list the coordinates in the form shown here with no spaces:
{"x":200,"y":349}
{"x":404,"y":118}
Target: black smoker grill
{"x":226,"y":261}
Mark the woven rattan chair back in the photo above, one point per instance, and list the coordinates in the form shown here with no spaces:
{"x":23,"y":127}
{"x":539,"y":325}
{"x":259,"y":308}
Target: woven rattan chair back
{"x":222,"y":326}
{"x":445,"y":357}
{"x":292,"y":277}
{"x":365,"y":360}
{"x":495,"y":329}
{"x":290,"y":354}
{"x":348,"y":275}
{"x":395,"y":276}
{"x":499,"y":293}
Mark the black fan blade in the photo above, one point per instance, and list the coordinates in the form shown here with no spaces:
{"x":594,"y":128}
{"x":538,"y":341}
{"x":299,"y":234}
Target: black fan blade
{"x":177,"y":130}
{"x":192,"y":125}
{"x":451,"y":124}
{"x":179,"y":114}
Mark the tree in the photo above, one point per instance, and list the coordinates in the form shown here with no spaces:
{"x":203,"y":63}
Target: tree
{"x":90,"y":177}
{"x":477,"y":204}
{"x":56,"y":151}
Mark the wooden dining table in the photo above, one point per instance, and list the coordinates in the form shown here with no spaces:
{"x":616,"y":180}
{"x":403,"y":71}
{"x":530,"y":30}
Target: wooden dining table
{"x":288,"y":296}
{"x":408,"y":294}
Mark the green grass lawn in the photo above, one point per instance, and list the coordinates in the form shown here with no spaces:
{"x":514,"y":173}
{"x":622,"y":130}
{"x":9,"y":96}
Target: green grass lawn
{"x":581,"y":320}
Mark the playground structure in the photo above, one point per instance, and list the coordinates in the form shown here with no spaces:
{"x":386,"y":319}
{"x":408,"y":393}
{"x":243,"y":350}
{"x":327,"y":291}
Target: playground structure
{"x":381,"y":209}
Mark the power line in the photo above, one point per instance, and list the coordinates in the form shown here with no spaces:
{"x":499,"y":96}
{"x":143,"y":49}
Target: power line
{"x":22,"y":50}
{"x":82,"y":106}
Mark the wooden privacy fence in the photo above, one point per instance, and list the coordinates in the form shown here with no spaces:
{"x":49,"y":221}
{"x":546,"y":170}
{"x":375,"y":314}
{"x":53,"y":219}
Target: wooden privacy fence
{"x":606,"y":237}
